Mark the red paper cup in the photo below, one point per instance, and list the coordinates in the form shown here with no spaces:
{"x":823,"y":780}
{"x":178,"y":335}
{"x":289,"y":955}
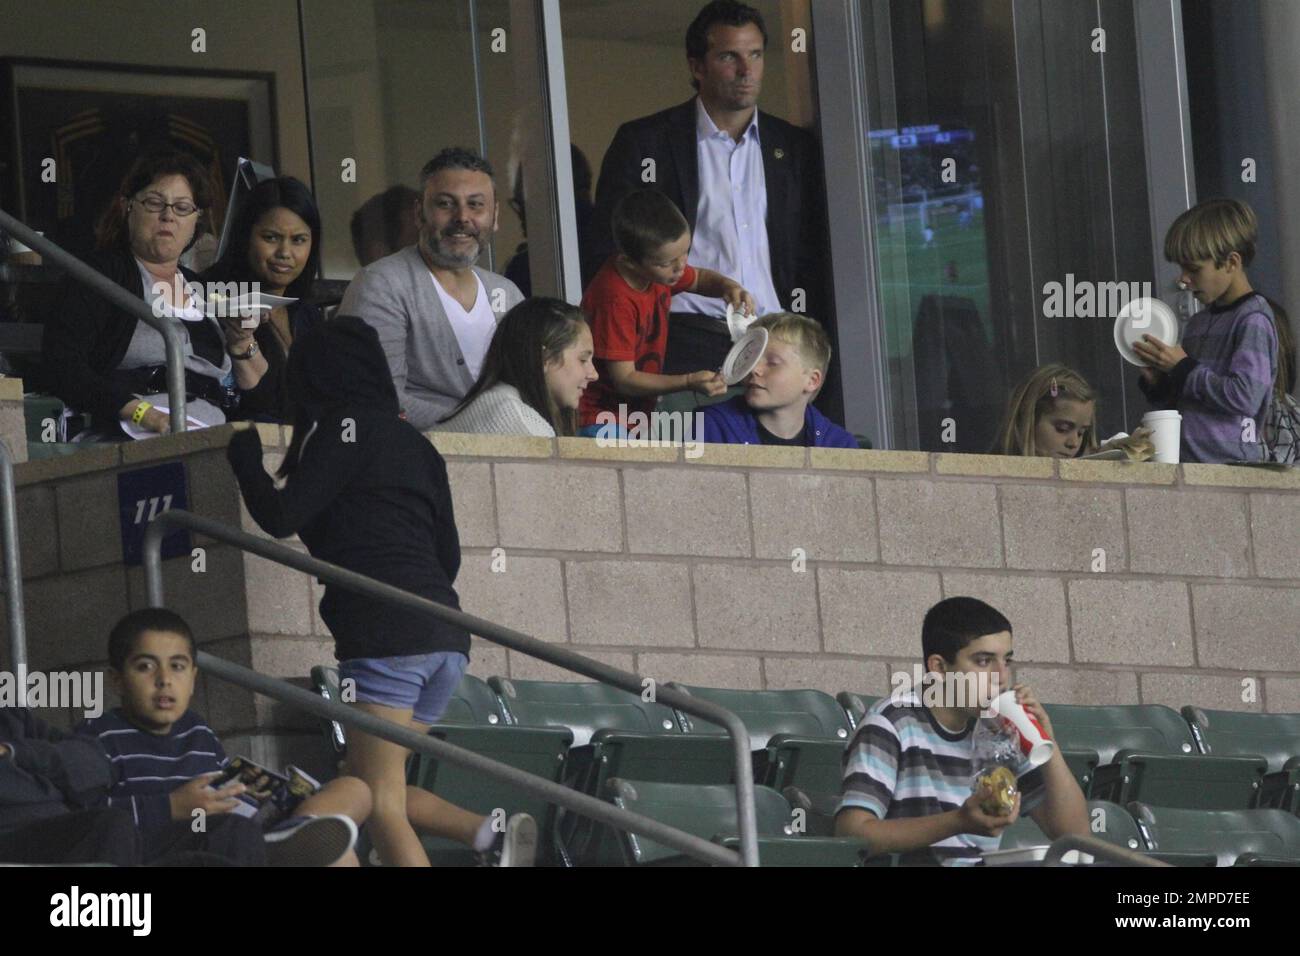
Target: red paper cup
{"x":1034,"y":742}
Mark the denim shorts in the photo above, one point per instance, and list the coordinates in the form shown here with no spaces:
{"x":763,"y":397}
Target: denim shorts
{"x":420,"y":683}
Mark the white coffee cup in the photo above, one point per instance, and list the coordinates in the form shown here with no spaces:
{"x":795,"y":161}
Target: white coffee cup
{"x":1166,"y":432}
{"x":1034,"y":742}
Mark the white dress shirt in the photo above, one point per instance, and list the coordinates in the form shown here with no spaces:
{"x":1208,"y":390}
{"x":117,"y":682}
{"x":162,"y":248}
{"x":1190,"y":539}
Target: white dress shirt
{"x":731,"y":218}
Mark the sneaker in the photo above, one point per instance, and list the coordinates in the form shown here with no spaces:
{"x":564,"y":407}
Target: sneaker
{"x":310,"y":841}
{"x":516,"y":845}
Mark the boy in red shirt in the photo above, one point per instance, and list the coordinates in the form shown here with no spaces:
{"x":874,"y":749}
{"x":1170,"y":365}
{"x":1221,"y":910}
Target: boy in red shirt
{"x":628,"y":303}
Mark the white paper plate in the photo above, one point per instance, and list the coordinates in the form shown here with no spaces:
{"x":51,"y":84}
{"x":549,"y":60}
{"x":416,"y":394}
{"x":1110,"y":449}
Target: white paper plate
{"x":1034,"y":856}
{"x":744,"y":355}
{"x":1144,"y":317}
{"x":217,"y":306}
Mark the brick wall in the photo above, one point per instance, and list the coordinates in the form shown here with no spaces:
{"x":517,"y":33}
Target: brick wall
{"x":744,"y":567}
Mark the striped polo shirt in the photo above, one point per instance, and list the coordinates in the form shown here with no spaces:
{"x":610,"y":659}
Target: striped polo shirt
{"x":901,"y":763}
{"x":148,"y":767}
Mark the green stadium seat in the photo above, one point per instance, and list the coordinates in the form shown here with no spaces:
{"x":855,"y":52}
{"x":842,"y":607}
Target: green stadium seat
{"x":1147,"y":752}
{"x":710,"y":812}
{"x":768,"y":713}
{"x":583,"y":707}
{"x":1275,"y":737}
{"x":1228,"y":733}
{"x":538,"y":750}
{"x":615,"y":734}
{"x":473,"y":703}
{"x":1112,"y":823}
{"x":1173,"y":780}
{"x":818,"y":806}
{"x":1144,"y":728}
{"x":1234,"y":837}
{"x":855,"y":705}
{"x":807,"y":763}
{"x":1109,"y":821}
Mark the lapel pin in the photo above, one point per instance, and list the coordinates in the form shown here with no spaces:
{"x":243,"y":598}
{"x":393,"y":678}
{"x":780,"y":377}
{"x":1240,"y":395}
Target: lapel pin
{"x":779,"y":153}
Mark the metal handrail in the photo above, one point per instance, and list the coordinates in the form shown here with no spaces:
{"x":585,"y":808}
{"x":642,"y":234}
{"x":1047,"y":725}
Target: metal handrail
{"x":119,"y":297}
{"x":1098,"y":848}
{"x":561,"y":657}
{"x":13,"y":565}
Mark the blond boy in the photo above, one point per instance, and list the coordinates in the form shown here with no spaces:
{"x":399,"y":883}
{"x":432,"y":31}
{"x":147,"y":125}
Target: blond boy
{"x":776,"y":408}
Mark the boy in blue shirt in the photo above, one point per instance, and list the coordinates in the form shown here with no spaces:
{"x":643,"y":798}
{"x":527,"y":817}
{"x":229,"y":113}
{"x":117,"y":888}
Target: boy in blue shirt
{"x":776,"y":408}
{"x":165,"y":757}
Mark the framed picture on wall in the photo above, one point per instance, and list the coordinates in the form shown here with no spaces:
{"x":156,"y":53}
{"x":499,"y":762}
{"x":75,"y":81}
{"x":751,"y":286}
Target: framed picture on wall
{"x":92,"y":120}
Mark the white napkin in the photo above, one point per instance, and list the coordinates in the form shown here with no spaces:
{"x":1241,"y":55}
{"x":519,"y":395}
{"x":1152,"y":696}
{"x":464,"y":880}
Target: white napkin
{"x":738,"y":323}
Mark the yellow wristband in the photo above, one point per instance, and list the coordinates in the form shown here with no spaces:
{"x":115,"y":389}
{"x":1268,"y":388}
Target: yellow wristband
{"x":137,"y":416}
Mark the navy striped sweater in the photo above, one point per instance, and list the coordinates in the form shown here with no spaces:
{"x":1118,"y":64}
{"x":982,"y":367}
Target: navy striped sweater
{"x":148,"y":767}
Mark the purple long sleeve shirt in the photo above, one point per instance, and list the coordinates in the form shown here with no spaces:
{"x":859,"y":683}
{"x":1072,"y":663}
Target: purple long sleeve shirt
{"x":1223,"y":388}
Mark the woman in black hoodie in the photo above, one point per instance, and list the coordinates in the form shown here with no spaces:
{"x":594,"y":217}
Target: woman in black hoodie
{"x":366,"y":491}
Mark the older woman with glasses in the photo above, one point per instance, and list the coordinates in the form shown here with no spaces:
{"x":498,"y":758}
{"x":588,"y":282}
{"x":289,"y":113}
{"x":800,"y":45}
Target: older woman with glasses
{"x":104,"y":361}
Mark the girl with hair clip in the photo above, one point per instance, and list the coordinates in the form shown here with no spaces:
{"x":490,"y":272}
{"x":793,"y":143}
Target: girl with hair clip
{"x":364,"y":490}
{"x":1052,"y":413}
{"x":535,"y":371}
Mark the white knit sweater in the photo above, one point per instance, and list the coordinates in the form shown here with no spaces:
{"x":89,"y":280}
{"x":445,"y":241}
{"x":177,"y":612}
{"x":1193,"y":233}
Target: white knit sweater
{"x":499,"y":411}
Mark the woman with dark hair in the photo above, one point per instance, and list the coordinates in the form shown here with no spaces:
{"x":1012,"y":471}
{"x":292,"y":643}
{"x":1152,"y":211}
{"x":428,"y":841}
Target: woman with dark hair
{"x":366,"y":491}
{"x":535,"y":371}
{"x":275,"y":241}
{"x":102,"y":360}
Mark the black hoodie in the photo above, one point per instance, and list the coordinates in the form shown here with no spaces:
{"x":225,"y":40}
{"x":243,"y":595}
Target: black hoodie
{"x":369,"y":493}
{"x":47,"y":773}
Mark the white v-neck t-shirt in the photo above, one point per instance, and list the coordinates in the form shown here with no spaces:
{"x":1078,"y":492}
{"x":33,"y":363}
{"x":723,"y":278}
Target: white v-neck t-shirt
{"x":474,"y":328}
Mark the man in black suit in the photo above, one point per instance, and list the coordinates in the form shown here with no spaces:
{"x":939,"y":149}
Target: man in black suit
{"x":727,"y":165}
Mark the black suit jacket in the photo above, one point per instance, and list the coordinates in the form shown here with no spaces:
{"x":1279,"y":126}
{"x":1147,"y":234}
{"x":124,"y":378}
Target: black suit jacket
{"x":791,"y":168}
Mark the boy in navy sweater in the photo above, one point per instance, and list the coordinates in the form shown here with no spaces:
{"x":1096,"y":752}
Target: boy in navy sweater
{"x":776,"y":408}
{"x":166,"y":756}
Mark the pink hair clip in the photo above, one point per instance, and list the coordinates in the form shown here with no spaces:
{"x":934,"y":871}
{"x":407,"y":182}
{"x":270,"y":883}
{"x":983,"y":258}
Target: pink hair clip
{"x":1054,"y":388}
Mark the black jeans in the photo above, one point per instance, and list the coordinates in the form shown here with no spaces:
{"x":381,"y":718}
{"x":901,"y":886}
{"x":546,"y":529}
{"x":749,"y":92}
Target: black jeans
{"x":104,"y":835}
{"x":233,"y":840}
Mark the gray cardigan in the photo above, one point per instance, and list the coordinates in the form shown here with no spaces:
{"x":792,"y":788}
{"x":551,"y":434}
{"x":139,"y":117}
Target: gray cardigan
{"x":396,"y":295}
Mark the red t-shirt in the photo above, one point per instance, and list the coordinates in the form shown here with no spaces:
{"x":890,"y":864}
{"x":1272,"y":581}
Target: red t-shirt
{"x":626,"y":326}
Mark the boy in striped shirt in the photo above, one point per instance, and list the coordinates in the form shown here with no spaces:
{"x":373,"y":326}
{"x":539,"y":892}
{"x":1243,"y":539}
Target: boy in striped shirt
{"x":1221,"y":377}
{"x":909,"y":767}
{"x":165,"y":755}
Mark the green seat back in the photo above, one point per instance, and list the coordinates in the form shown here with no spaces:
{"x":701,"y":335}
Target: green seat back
{"x":1228,"y":834}
{"x":1174,"y":780}
{"x":582,"y":707}
{"x":473,"y":703}
{"x":1228,"y":733}
{"x":1109,"y":821}
{"x":767,"y":713}
{"x":855,"y":705}
{"x":1145,"y":728}
{"x":705,"y":811}
{"x":538,"y":750}
{"x":812,"y":765}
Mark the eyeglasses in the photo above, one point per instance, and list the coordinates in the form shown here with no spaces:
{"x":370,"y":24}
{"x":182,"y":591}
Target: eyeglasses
{"x":155,"y":205}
